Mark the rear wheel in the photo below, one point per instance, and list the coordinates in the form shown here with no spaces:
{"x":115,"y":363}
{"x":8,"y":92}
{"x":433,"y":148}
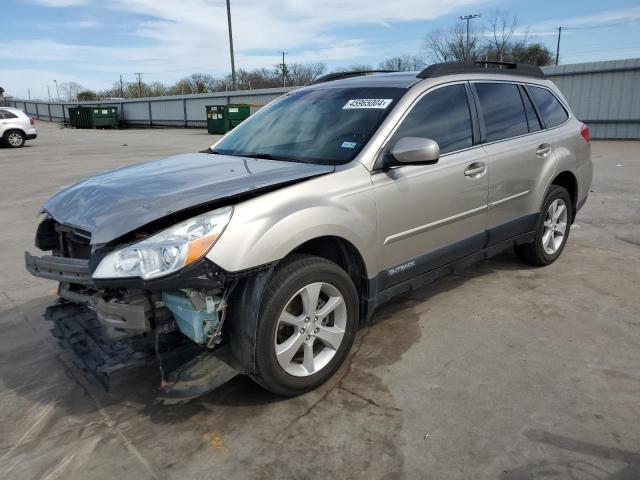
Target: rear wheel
{"x":307,"y":325}
{"x":14,"y":139}
{"x":552,"y":229}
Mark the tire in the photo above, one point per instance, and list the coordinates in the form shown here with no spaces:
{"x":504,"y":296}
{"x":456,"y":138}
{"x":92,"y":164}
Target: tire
{"x":545,"y":250}
{"x":14,"y":139}
{"x":300,"y":277}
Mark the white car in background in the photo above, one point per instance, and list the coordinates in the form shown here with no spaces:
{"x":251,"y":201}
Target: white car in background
{"x":16,"y":127}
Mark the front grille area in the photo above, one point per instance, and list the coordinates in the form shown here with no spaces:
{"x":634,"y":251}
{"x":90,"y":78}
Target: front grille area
{"x":63,"y":241}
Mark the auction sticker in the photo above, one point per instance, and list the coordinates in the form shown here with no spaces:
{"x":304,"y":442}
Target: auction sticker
{"x":380,"y":103}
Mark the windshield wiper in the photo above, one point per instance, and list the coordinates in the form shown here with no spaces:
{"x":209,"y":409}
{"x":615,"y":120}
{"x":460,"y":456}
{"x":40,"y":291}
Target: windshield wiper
{"x":268,"y":156}
{"x":258,"y":156}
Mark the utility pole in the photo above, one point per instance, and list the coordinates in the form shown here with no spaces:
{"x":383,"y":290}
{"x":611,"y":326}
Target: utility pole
{"x":558,"y":45}
{"x":121,"y":88}
{"x":29,"y":93}
{"x":233,"y":64}
{"x":468,"y":18}
{"x":284,"y":70}
{"x":139,"y":75}
{"x":57,"y":91}
{"x":49,"y":93}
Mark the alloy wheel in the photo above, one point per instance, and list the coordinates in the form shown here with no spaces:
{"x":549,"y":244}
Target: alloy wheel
{"x":555,"y":226}
{"x":15,"y":139}
{"x":310,"y":329}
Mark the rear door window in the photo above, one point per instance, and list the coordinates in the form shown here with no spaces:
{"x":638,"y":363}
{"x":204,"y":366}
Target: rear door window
{"x":532,"y":116}
{"x":502,"y":111}
{"x":442,"y":115}
{"x":549,"y":106}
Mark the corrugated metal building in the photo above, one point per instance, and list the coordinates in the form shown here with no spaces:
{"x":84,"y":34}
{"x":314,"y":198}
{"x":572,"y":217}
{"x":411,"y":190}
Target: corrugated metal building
{"x":604,"y":95}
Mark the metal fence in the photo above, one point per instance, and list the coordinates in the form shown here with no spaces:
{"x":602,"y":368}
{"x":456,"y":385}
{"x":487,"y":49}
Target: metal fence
{"x":605,"y":95}
{"x":173,"y":111}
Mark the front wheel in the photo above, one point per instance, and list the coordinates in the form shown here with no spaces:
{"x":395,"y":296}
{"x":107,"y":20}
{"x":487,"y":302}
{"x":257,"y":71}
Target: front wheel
{"x":552,"y":230}
{"x":308,"y":321}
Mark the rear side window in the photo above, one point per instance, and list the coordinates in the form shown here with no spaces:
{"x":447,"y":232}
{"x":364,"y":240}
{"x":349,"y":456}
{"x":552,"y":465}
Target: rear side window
{"x":7,"y":114}
{"x":532,"y":116}
{"x":442,"y":115}
{"x":553,"y":113}
{"x":502,"y":110}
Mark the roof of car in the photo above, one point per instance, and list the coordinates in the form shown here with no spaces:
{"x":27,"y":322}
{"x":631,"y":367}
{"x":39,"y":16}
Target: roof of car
{"x":377,"y":78}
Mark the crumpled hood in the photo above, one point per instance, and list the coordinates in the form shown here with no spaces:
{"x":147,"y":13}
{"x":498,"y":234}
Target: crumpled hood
{"x":117,"y":202}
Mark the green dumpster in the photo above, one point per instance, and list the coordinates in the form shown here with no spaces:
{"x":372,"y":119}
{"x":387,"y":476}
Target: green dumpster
{"x":223,"y":118}
{"x":80,"y":117}
{"x":104,"y":116}
{"x":88,"y":117}
{"x":215,"y":119}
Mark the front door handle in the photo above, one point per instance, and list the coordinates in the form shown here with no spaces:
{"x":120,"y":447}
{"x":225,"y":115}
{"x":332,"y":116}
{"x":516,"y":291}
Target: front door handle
{"x":475,"y":170}
{"x":543,"y":150}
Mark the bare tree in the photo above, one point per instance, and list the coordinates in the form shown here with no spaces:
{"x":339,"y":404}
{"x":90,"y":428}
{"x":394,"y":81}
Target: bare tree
{"x":156,"y":89}
{"x":436,"y":47}
{"x":70,"y":90}
{"x":502,"y":26}
{"x":300,"y":73}
{"x":501,"y":39}
{"x":452,"y":45}
{"x":356,"y":67}
{"x":404,"y":63}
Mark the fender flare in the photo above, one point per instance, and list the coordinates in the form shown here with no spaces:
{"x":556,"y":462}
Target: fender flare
{"x":242,"y":322}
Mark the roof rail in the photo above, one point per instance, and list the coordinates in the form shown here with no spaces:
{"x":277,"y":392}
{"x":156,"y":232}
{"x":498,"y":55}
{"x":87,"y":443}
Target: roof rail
{"x":339,"y":75}
{"x":507,"y":68}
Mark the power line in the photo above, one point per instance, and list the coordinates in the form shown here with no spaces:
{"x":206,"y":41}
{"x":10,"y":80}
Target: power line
{"x":605,"y":25}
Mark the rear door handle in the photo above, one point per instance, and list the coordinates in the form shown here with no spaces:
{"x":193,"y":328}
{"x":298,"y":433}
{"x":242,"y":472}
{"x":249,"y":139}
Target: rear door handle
{"x":475,"y":170}
{"x":543,"y":150}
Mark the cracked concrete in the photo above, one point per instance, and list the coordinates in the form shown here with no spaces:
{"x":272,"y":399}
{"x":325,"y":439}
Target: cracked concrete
{"x":500,"y":372}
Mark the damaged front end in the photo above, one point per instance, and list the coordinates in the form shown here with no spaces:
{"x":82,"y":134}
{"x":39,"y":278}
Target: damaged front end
{"x":129,"y":250}
{"x":118,"y":327}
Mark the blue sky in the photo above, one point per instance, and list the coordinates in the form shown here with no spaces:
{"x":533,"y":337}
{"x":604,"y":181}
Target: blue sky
{"x":92,"y":42}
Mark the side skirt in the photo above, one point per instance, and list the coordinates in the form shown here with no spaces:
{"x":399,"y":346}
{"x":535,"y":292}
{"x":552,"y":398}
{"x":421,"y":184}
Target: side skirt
{"x":381,"y":296}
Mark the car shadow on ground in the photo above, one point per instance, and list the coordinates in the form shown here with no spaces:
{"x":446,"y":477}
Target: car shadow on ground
{"x":53,"y":377}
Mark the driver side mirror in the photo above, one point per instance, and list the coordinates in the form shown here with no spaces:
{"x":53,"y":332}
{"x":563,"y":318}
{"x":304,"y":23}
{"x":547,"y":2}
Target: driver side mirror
{"x":410,"y":150}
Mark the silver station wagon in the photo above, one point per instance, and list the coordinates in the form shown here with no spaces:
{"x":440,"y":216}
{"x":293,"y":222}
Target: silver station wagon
{"x":264,"y":253}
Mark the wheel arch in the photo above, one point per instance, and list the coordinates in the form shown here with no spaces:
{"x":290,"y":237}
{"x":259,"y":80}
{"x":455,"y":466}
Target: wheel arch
{"x":246,"y":299}
{"x":569,"y":182}
{"x":343,"y":253}
{"x":14,"y":129}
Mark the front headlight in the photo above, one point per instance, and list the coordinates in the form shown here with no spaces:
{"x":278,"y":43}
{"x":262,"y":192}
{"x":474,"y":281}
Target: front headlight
{"x":166,"y":251}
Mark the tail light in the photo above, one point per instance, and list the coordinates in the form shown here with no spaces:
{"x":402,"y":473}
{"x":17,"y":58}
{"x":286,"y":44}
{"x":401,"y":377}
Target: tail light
{"x":584,"y":131}
{"x":31,"y":121}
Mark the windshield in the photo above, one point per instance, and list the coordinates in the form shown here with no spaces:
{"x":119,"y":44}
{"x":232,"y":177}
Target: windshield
{"x":327,"y":126}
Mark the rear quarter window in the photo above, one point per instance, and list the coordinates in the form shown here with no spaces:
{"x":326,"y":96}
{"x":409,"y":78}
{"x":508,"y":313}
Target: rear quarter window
{"x":7,"y":114}
{"x":552,"y":111}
